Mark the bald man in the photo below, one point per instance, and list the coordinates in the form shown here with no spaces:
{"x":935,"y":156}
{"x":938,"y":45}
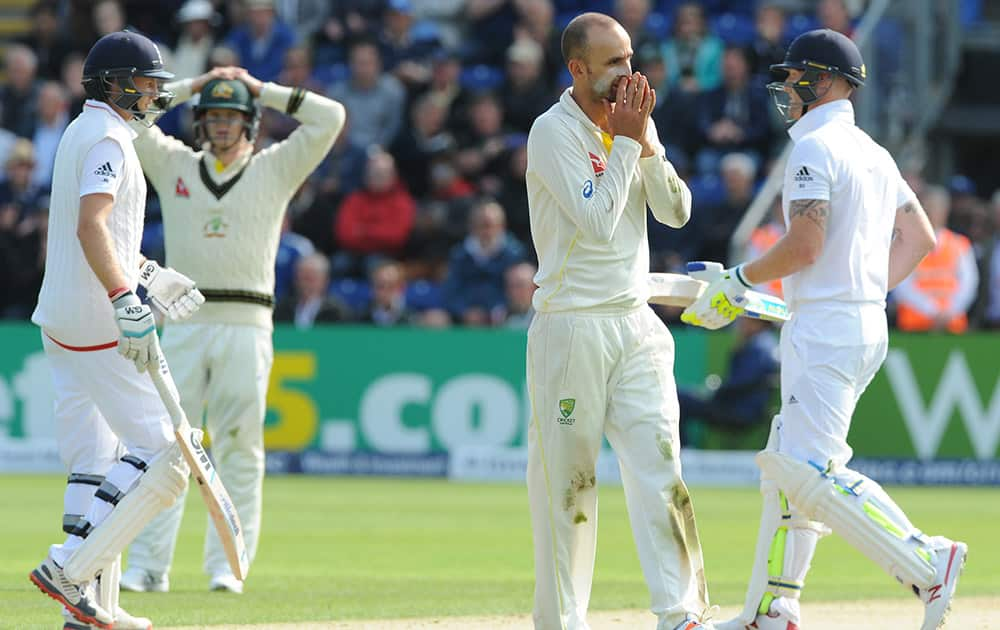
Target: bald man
{"x":599,"y":362}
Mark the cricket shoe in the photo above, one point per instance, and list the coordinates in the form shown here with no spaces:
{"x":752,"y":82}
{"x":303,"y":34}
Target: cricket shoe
{"x":949,"y":560}
{"x":226,"y":583}
{"x":141,"y":581}
{"x":123,"y":621}
{"x":51,"y":580}
{"x":783,"y":614}
{"x":694,"y":624}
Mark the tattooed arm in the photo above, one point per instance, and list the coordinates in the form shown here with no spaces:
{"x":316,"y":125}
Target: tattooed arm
{"x":912,"y":239}
{"x":798,"y":248}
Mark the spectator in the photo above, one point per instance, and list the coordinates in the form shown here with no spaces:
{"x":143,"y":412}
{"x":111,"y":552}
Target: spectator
{"x":693,"y":52}
{"x":296,"y":72}
{"x":763,"y":238}
{"x":445,"y":72}
{"x":108,"y":17}
{"x":45,"y":40}
{"x":833,"y":14}
{"x":447,"y":15}
{"x":474,"y":290}
{"x":989,"y":291}
{"x":349,"y":22}
{"x":53,"y":118}
{"x":526,"y":93}
{"x":492,"y":23}
{"x":190,"y":58}
{"x":718,"y":221}
{"x":19,"y":96}
{"x":514,"y":194}
{"x":417,"y":144}
{"x":632,"y":15}
{"x":519,"y":286}
{"x":937,"y":295}
{"x":734,"y":117}
{"x":537,"y":23}
{"x":388,"y":306}
{"x":406,"y":45}
{"x":311,"y":303}
{"x":769,"y":43}
{"x":743,"y":399}
{"x":375,"y":101}
{"x":676,"y":109}
{"x":263,"y":41}
{"x":72,"y":80}
{"x":305,"y":17}
{"x":23,"y":224}
{"x":376,"y":219}
{"x":292,"y":248}
{"x":482,"y":147}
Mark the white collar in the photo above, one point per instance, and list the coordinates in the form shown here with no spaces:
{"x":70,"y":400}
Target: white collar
{"x":573,"y":109}
{"x":841,"y":109}
{"x":92,"y":104}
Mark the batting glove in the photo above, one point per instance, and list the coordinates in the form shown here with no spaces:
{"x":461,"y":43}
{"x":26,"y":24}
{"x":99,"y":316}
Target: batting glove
{"x":137,"y":340}
{"x":171,"y":292}
{"x":720,"y":303}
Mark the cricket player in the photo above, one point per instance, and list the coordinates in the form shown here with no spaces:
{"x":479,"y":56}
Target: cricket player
{"x":223,"y":207}
{"x":115,"y":436}
{"x":855,"y":230}
{"x":599,"y":361}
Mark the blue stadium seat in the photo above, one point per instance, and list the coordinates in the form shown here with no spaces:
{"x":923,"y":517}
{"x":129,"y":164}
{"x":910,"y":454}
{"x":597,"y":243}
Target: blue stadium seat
{"x":659,"y":24}
{"x":331,"y":73}
{"x":481,"y":78}
{"x":424,"y":294}
{"x":734,"y":28}
{"x":706,"y":190}
{"x":357,"y":294}
{"x":798,"y":24}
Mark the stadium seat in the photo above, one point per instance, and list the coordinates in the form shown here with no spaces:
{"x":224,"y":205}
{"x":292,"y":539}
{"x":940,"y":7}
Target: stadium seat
{"x":481,"y":78}
{"x":423,"y":294}
{"x":734,"y":28}
{"x":355,"y":293}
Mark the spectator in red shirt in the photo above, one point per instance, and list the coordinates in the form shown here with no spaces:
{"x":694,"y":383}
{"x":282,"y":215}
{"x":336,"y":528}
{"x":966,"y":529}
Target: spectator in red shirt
{"x":376,"y":219}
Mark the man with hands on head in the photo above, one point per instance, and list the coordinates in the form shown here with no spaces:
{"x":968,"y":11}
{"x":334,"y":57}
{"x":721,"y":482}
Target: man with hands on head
{"x":223,"y":206}
{"x":599,"y":361}
{"x":855,"y":231}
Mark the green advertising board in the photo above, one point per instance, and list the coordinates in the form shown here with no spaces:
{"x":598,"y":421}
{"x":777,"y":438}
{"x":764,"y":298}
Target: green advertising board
{"x":416,"y":391}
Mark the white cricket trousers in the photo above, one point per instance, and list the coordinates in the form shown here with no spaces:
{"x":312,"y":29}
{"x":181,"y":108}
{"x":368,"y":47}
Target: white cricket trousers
{"x":104,"y":410}
{"x":591,"y":375}
{"x":222,"y":373}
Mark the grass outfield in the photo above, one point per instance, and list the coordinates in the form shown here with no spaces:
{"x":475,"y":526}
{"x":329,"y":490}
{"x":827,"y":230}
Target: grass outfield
{"x":339,"y":548}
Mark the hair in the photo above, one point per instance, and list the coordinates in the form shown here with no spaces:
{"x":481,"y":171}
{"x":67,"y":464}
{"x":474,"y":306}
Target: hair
{"x":934,"y":192}
{"x":317,"y":260}
{"x":740,"y":162}
{"x":575,"y":37}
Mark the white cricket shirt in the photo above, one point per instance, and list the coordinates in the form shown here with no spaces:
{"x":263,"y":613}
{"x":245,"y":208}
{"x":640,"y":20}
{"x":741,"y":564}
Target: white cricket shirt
{"x":587,"y":202}
{"x":95,"y":155}
{"x":834,"y":160}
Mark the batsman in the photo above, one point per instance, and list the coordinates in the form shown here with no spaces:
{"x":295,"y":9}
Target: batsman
{"x":855,"y":230}
{"x":223,"y":206}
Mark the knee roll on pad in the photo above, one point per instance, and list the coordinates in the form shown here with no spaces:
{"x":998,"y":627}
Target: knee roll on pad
{"x":163,"y":482}
{"x":857,"y":509}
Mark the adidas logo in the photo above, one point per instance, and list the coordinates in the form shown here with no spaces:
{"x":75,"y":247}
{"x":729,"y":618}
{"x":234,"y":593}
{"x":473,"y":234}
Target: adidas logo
{"x":105,"y":170}
{"x":792,"y":400}
{"x":803,"y":175}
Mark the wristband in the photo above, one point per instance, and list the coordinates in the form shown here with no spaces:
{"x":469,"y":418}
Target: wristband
{"x":117,"y":293}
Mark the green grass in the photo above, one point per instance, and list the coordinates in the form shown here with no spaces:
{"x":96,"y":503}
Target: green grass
{"x":336,"y":548}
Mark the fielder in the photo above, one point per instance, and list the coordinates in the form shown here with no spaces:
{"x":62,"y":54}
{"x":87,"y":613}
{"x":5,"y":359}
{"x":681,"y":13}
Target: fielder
{"x":222,"y":212}
{"x":114,"y":433}
{"x":599,"y":361}
{"x":855,"y":230}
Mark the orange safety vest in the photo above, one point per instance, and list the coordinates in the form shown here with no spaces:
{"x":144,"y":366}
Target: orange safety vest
{"x":937,"y":277}
{"x":763,"y":239}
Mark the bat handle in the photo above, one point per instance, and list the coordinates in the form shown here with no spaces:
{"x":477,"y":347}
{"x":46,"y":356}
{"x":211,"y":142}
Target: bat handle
{"x":165,"y":387}
{"x":704,"y":270}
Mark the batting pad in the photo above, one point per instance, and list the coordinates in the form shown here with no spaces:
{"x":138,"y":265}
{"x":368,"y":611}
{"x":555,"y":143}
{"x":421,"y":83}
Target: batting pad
{"x":162,"y":483}
{"x":107,"y":586}
{"x":857,"y":509}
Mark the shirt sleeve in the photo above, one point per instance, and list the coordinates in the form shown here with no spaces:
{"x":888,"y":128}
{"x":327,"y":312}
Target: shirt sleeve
{"x":809,"y":174}
{"x":968,"y":281}
{"x":102,"y":169}
{"x":904,"y":194}
{"x":667,"y":195}
{"x":563,"y":166}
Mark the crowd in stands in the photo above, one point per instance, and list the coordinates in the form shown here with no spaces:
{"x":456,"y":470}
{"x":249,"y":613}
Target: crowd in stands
{"x":419,"y":213}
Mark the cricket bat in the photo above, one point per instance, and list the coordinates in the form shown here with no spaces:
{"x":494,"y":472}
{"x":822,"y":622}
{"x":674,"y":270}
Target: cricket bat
{"x":217,"y":500}
{"x":674,"y":289}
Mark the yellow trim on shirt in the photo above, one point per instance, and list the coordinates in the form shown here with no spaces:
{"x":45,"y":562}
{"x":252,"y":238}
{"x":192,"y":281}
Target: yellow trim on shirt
{"x":607,"y":140}
{"x":562,"y":269}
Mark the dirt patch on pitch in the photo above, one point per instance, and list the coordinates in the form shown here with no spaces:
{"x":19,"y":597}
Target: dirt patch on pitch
{"x":968,"y":613}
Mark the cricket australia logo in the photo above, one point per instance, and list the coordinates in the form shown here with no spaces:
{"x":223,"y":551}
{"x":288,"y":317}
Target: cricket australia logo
{"x":566,"y":408}
{"x":215,"y":228}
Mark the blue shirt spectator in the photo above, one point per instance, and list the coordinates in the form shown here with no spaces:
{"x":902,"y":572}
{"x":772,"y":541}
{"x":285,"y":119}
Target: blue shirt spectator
{"x":291,"y":248}
{"x":375,"y":101}
{"x":693,"y":52}
{"x":474,"y":292}
{"x":262,"y":42}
